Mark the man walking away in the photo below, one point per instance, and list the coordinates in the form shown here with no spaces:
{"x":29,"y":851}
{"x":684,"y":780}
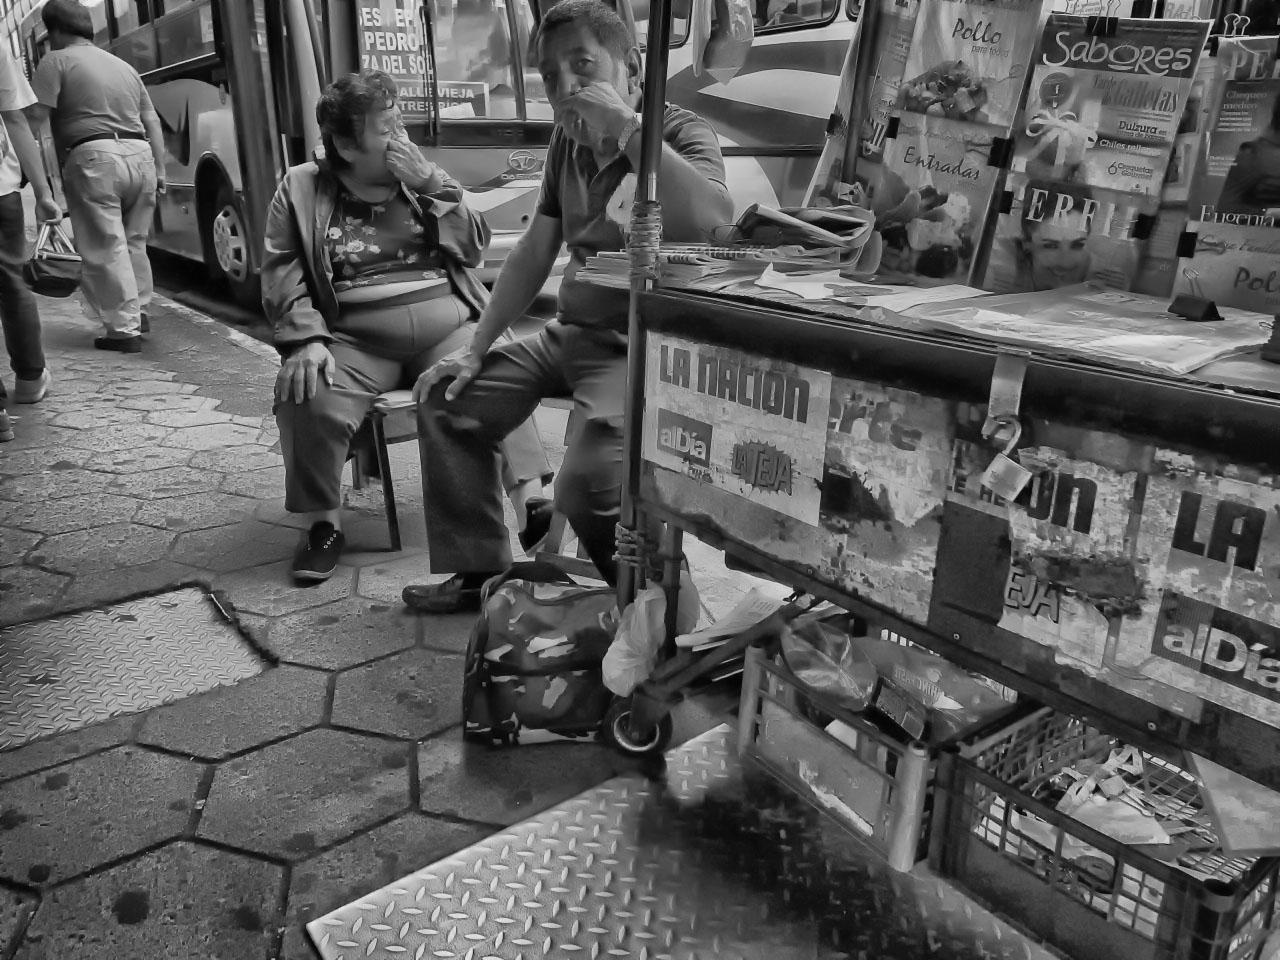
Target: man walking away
{"x":18,"y":312}
{"x":102,"y":121}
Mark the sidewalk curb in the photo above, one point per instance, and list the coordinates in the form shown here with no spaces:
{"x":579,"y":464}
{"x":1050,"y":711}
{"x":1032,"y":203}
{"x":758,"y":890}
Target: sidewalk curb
{"x":237,"y":337}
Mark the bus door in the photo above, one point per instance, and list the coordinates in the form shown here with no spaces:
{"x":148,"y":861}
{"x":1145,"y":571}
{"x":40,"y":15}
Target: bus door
{"x":467,"y":94}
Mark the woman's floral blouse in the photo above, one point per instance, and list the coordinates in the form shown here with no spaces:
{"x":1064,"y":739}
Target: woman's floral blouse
{"x":374,"y":243}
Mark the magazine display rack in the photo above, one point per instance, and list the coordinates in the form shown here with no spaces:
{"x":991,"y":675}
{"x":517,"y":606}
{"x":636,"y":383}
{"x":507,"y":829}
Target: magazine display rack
{"x":1131,"y":576}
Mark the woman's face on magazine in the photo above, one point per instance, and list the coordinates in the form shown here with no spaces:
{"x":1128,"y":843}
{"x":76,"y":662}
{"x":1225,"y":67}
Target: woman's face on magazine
{"x":1058,"y":252}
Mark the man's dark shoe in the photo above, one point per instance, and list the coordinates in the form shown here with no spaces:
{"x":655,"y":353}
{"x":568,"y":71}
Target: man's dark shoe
{"x":119,"y":344}
{"x":145,"y":322}
{"x":459,"y":594}
{"x":538,"y":512}
{"x":317,"y":557}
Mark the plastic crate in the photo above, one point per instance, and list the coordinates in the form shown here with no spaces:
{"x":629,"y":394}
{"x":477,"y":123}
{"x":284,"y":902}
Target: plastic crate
{"x":877,"y":786}
{"x":1050,"y":873}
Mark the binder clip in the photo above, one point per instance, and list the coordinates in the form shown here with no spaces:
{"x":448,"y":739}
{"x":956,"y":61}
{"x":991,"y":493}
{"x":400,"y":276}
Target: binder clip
{"x":891,"y":128}
{"x":1001,"y":152}
{"x":1194,"y":306}
{"x":1271,"y":349}
{"x":1195,"y":309}
{"x":1103,"y":26}
{"x":1143,"y":224}
{"x":1005,"y":477}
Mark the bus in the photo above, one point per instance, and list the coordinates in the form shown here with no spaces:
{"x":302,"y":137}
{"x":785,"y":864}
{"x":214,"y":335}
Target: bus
{"x":234,"y":83}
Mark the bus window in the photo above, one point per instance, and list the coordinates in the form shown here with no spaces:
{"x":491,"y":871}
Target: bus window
{"x":681,"y":13}
{"x":790,"y":14}
{"x":186,"y":35}
{"x":474,"y":60}
{"x":129,"y":15}
{"x":171,"y":6}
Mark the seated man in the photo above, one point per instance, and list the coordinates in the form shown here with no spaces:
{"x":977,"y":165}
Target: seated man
{"x":592,"y":72}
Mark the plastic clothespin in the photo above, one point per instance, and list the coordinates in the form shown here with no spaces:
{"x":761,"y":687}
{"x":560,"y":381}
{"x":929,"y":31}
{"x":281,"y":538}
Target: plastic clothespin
{"x":1107,"y":25}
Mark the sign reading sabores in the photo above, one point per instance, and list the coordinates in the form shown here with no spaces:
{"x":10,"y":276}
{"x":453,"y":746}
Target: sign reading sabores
{"x":389,"y":34}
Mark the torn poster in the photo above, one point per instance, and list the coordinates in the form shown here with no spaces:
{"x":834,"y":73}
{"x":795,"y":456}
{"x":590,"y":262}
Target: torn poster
{"x":745,"y":424}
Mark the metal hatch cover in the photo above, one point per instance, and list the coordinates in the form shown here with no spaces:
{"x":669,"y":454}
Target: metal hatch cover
{"x":700,"y":863}
{"x":81,"y":668}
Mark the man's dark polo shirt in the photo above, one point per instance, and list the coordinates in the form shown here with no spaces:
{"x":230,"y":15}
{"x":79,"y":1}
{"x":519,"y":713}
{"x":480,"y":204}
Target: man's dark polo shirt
{"x":576,"y":191}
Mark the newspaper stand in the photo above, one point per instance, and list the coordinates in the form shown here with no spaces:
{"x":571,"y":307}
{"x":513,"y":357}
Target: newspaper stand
{"x":1117,"y":590}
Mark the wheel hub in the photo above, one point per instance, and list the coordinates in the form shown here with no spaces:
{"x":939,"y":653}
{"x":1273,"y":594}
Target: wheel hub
{"x":229,"y":244}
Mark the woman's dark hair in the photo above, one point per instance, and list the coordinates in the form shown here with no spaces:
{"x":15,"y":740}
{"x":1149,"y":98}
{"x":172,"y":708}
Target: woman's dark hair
{"x":1079,"y":193}
{"x":600,"y":19}
{"x":68,"y":16}
{"x":342,"y":108}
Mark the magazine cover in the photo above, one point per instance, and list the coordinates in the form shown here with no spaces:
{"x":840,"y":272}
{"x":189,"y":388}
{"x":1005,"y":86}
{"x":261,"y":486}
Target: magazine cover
{"x":1061,"y":234}
{"x":969,"y":61}
{"x":1239,"y":177}
{"x":885,"y":41}
{"x":934,"y":198}
{"x":1189,"y":139}
{"x":1104,"y":111}
{"x":1160,"y":253}
{"x":1234,"y":266}
{"x":1173,"y":9}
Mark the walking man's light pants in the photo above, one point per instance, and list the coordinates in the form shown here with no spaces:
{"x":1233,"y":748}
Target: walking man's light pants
{"x":111,"y":196}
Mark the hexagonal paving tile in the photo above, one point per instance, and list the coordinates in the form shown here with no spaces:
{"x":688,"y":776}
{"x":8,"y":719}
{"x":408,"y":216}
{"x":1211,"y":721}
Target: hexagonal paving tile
{"x":15,"y":544}
{"x":238,"y":459}
{"x":97,"y":415}
{"x":349,"y":871}
{"x":233,"y":719}
{"x":165,"y":483}
{"x":112,"y":546}
{"x":60,"y":748}
{"x":506,"y":785}
{"x":124,"y":436}
{"x":271,"y":591}
{"x":71,"y":513}
{"x":236,"y":546}
{"x":168,"y":402}
{"x":273,"y":511}
{"x":94,"y":586}
{"x":449,"y":632}
{"x":215,"y":436}
{"x":196,"y":511}
{"x":54,"y":485}
{"x":186,"y":418}
{"x":183,"y":900}
{"x":132,"y":462}
{"x":39,"y":459}
{"x":27,"y":593}
{"x":386,"y":581}
{"x":292,"y":798}
{"x":342,"y":634}
{"x":258,"y":484}
{"x":412,"y":695}
{"x":158,"y":384}
{"x":61,"y":823}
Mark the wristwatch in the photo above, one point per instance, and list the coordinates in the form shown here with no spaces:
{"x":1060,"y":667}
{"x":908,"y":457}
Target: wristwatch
{"x":628,"y":131}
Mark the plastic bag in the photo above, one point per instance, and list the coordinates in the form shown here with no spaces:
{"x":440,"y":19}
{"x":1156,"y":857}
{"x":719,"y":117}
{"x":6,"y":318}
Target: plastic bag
{"x":720,"y":32}
{"x":955,"y":699}
{"x":635,"y":648}
{"x":823,"y":658}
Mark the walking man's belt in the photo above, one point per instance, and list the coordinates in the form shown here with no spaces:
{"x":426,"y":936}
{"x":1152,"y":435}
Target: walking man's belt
{"x":106,"y":136}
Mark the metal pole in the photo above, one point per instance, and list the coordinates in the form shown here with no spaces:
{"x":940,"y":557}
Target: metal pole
{"x":307,"y":63}
{"x":651,"y":118}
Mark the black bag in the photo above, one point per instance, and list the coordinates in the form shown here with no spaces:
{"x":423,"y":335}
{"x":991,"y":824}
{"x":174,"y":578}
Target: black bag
{"x":533,"y":664}
{"x":54,"y":267}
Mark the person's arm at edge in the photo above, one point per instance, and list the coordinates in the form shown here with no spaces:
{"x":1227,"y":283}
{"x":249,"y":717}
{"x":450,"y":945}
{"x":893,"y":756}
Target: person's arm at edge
{"x":695,"y":200}
{"x":523,"y":274}
{"x":28,"y":152}
{"x":155,"y":136}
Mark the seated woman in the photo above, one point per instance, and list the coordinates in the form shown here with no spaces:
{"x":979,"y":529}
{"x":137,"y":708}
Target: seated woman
{"x":367,"y":283}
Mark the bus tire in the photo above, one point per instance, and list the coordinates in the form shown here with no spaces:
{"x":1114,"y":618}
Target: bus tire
{"x":227,"y":238}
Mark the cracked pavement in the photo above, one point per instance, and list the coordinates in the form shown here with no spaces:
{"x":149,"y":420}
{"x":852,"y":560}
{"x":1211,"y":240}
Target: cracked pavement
{"x":217,"y":825}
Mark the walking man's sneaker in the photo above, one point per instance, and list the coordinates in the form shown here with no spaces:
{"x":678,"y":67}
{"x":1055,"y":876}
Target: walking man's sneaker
{"x":538,"y":512}
{"x":6,"y":428}
{"x":317,"y":556}
{"x":31,"y":391}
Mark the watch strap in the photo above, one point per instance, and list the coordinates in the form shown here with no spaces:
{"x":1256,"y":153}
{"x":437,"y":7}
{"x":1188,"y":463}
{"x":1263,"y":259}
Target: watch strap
{"x":628,"y":131}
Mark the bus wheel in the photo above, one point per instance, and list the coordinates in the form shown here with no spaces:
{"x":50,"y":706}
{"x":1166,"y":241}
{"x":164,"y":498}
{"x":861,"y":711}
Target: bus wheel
{"x":228,"y":239}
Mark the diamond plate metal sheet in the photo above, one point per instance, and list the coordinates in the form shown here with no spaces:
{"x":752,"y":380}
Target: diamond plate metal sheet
{"x":68,"y":672}
{"x":705,"y":861}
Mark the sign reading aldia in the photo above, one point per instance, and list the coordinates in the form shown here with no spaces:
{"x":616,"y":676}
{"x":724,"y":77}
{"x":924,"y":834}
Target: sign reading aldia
{"x":738,"y":379}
